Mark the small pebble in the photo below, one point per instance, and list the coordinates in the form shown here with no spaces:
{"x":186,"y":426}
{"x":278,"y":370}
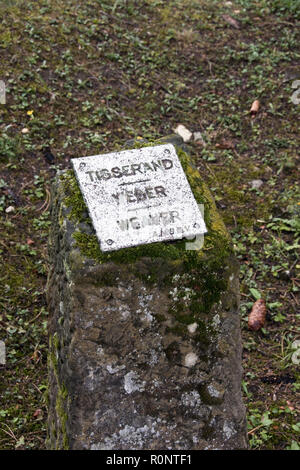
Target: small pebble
{"x":256,"y":184}
{"x":198,"y":138}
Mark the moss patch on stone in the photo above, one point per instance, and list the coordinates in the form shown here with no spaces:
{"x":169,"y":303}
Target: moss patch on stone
{"x":61,"y":400}
{"x":73,"y":197}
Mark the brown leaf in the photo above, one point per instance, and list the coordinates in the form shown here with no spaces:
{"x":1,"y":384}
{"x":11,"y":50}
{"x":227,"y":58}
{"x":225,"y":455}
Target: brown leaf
{"x":30,"y":242}
{"x":257,"y":317}
{"x":36,"y":356}
{"x":254,"y":107}
{"x":290,"y":406}
{"x":231,"y":21}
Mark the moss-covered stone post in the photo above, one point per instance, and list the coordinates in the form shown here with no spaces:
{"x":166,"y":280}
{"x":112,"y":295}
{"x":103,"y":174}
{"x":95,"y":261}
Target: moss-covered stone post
{"x":145,"y":345}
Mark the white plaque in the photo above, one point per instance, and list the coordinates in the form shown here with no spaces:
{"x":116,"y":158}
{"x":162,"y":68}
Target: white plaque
{"x":138,"y":196}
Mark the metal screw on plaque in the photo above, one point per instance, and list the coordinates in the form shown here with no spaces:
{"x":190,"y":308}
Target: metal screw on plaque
{"x":2,"y":92}
{"x":197,"y":244}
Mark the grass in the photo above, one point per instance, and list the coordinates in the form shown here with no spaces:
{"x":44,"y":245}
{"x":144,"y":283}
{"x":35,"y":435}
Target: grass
{"x":83,"y":78}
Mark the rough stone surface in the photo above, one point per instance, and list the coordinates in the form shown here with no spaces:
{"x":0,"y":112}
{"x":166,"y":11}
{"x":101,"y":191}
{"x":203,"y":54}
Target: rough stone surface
{"x":130,"y":367}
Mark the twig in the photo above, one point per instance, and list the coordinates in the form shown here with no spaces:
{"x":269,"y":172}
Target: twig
{"x":46,"y":200}
{"x":294,"y":263}
{"x":278,"y":22}
{"x":31,"y":321}
{"x":212,"y":172}
{"x":262,"y":352}
{"x":235,"y":224}
{"x":9,"y":432}
{"x":39,"y":392}
{"x":49,"y":200}
{"x":296,"y":301}
{"x":159,"y":84}
{"x":2,"y":243}
{"x":210,"y":67}
{"x":255,"y":429}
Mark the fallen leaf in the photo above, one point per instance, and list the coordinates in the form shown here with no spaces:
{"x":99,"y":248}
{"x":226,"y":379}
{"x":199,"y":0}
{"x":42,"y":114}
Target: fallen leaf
{"x":37,"y":413}
{"x":254,"y":107}
{"x":290,"y":406}
{"x":30,"y":242}
{"x":183,"y":132}
{"x":257,"y":317}
{"x":231,"y":21}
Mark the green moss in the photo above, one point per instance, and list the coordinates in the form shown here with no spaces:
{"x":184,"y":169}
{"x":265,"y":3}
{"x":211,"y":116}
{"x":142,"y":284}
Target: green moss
{"x":5,"y":39}
{"x":208,"y":398}
{"x":205,"y":333}
{"x":159,"y":317}
{"x":74,"y":199}
{"x":90,"y":247}
{"x":206,"y":266}
{"x":55,"y":341}
{"x":52,"y":357}
{"x":61,"y":397}
{"x":184,"y":317}
{"x":207,"y":431}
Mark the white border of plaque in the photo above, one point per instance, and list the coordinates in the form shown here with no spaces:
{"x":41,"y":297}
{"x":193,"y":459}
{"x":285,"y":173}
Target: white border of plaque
{"x":138,"y":196}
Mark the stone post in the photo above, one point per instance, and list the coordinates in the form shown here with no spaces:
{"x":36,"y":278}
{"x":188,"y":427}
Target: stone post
{"x":145,"y":345}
